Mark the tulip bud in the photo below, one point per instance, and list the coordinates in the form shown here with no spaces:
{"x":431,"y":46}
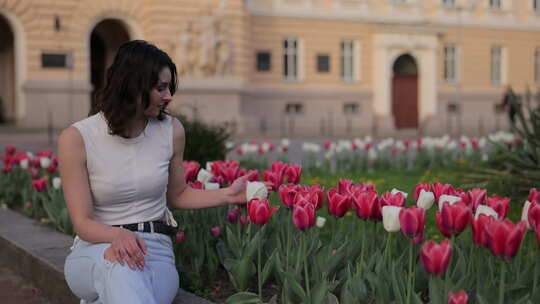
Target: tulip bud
{"x":436,"y":257}
{"x":459,"y":297}
{"x":57,"y":183}
{"x":211,"y":186}
{"x":256,"y":190}
{"x":232,"y":215}
{"x":448,"y":198}
{"x":483,"y":209}
{"x":24,"y":163}
{"x":394,"y":191}
{"x":204,"y":176}
{"x":244,"y":220}
{"x":180,"y":236}
{"x":216,"y":231}
{"x":425,"y":199}
{"x":320,"y":221}
{"x":45,"y":162}
{"x":390,"y":216}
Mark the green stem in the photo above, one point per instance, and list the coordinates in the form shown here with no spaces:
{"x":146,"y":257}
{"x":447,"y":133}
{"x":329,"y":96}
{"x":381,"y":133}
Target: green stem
{"x":259,"y":270}
{"x":535,"y":278}
{"x":386,"y":248}
{"x":363,"y":244}
{"x":305,"y":266}
{"x":410,"y":287}
{"x":501,"y":282}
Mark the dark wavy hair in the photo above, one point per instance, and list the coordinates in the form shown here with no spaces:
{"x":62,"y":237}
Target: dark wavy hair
{"x":133,"y":74}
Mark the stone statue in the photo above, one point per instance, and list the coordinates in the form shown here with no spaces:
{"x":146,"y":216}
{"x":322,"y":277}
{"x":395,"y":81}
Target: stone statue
{"x":188,"y":50}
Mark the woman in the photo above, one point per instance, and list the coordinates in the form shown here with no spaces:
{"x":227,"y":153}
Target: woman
{"x":121,"y":167}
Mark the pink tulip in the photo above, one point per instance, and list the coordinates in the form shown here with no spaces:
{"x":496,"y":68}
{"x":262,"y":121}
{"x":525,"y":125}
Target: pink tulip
{"x":253,"y":175}
{"x":327,"y":144}
{"x":293,"y":173}
{"x":534,"y":196}
{"x":191,"y":168}
{"x":244,"y":220}
{"x":362,"y":188}
{"x":338,"y":204}
{"x":440,"y":189}
{"x":475,"y":197}
{"x":389,"y":199}
{"x":259,"y":211}
{"x":232,"y":215}
{"x":419,"y":188}
{"x":436,"y":257}
{"x":504,"y":237}
{"x":180,"y":237}
{"x":411,"y":221}
{"x":216,"y":231}
{"x":479,"y":229}
{"x":45,"y":153}
{"x":500,"y":205}
{"x":367,"y":206}
{"x":314,"y":194}
{"x":40,"y":184}
{"x":453,"y":219}
{"x":51,"y":169}
{"x":10,"y":150}
{"x":288,"y":194}
{"x":274,"y":179}
{"x":459,"y":297}
{"x":533,"y":216}
{"x":304,"y":216}
{"x":196,"y":185}
{"x":279,"y":168}
{"x":344,"y":186}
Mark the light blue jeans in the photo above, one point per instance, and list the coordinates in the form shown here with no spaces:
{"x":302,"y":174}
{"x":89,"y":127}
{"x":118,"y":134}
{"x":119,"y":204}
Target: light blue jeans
{"x":98,"y":281}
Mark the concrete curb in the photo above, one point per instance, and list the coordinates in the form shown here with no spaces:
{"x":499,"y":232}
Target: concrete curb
{"x":37,"y":253}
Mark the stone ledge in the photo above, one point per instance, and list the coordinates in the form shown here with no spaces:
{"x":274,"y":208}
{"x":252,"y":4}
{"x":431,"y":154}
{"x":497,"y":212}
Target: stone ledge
{"x":37,"y":253}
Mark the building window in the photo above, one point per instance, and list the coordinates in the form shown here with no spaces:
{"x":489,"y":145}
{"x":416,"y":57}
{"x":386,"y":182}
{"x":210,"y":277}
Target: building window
{"x":294,"y":108}
{"x":348,"y":61}
{"x":536,"y":5}
{"x":290,"y":59}
{"x":323,"y":63}
{"x":537,"y":66}
{"x":449,"y":2}
{"x":398,"y":1}
{"x":351,"y":108}
{"x":450,"y":63}
{"x":264,"y":61}
{"x":495,"y":4}
{"x":496,"y":65}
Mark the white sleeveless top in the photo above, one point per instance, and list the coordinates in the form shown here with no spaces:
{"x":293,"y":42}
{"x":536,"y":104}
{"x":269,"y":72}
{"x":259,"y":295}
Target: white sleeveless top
{"x":128,"y":176}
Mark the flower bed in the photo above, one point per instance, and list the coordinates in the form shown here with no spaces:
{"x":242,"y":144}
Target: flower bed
{"x":348,"y":243}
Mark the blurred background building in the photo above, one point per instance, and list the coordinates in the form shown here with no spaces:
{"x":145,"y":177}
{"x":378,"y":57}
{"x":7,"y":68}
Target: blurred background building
{"x":282,"y":67}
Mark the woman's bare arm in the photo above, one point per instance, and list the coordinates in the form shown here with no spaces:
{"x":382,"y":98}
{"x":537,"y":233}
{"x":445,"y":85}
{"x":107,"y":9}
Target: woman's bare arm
{"x":180,"y":196}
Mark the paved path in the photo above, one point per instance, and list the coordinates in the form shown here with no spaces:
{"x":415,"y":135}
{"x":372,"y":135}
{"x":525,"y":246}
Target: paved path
{"x":15,"y":290}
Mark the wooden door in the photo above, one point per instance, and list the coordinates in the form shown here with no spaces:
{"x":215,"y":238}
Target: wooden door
{"x":405,"y":101}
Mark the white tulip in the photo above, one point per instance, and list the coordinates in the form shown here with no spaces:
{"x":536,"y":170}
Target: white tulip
{"x":425,"y":199}
{"x":451,"y":199}
{"x":372,"y":155}
{"x":483,"y":209}
{"x":57,"y":183}
{"x":30,"y":155}
{"x":404,"y":194}
{"x":211,"y":186}
{"x":24,"y":163}
{"x":256,"y":190}
{"x":320,"y":221}
{"x":45,"y":162}
{"x":204,"y":176}
{"x":229,"y":145}
{"x":390,"y":216}
{"x":285,"y":142}
{"x":525,"y":213}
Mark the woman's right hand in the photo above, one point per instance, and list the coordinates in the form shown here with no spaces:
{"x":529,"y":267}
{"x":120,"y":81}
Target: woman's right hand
{"x":127,"y":247}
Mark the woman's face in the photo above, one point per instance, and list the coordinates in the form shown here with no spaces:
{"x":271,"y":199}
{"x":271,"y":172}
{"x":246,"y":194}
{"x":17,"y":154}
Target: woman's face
{"x":160,"y":95}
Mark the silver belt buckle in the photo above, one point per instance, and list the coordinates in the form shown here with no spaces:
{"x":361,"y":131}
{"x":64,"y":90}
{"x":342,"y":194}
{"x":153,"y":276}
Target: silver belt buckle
{"x":140,"y":227}
{"x":151,"y":227}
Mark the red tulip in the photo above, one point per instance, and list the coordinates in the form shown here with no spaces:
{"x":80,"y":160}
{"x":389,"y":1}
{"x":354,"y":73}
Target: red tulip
{"x":327,"y":144}
{"x":196,"y":185}
{"x":279,"y":168}
{"x":304,"y":215}
{"x":10,"y":150}
{"x":533,"y":216}
{"x":389,"y":199}
{"x":180,"y":237}
{"x":244,"y":220}
{"x":411,"y":221}
{"x":367,"y":206}
{"x":453,"y":219}
{"x":479,"y":229}
{"x":7,"y":168}
{"x":293,"y":173}
{"x":459,"y":297}
{"x":314,"y":194}
{"x":216,"y":231}
{"x":274,"y":179}
{"x":500,"y":205}
{"x":288,"y":193}
{"x":232,"y":215}
{"x":362,"y":188}
{"x":230,"y":174}
{"x":259,"y":211}
{"x":191,"y":168}
{"x":504,"y":237}
{"x":440,"y":189}
{"x":40,"y":184}
{"x":45,"y":153}
{"x":419,"y":188}
{"x":338,"y":204}
{"x":474,"y":197}
{"x":51,"y":169}
{"x":436,"y":257}
{"x":344,"y":186}
{"x":534,"y":196}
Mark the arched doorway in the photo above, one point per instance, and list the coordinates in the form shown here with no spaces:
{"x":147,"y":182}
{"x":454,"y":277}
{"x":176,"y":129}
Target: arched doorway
{"x":105,"y":39}
{"x":405,"y":92}
{"x":7,"y":72}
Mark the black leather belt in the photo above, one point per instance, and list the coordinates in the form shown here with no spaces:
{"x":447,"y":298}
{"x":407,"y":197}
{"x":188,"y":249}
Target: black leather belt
{"x":152,"y":227}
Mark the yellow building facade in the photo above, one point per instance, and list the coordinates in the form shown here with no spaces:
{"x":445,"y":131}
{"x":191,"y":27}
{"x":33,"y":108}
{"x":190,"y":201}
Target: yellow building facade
{"x":282,"y":67}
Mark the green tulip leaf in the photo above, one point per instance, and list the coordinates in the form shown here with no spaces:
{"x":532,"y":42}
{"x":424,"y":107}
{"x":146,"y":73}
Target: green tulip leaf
{"x":234,"y":244}
{"x":319,"y":292}
{"x":268,"y":266}
{"x":243,"y":298}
